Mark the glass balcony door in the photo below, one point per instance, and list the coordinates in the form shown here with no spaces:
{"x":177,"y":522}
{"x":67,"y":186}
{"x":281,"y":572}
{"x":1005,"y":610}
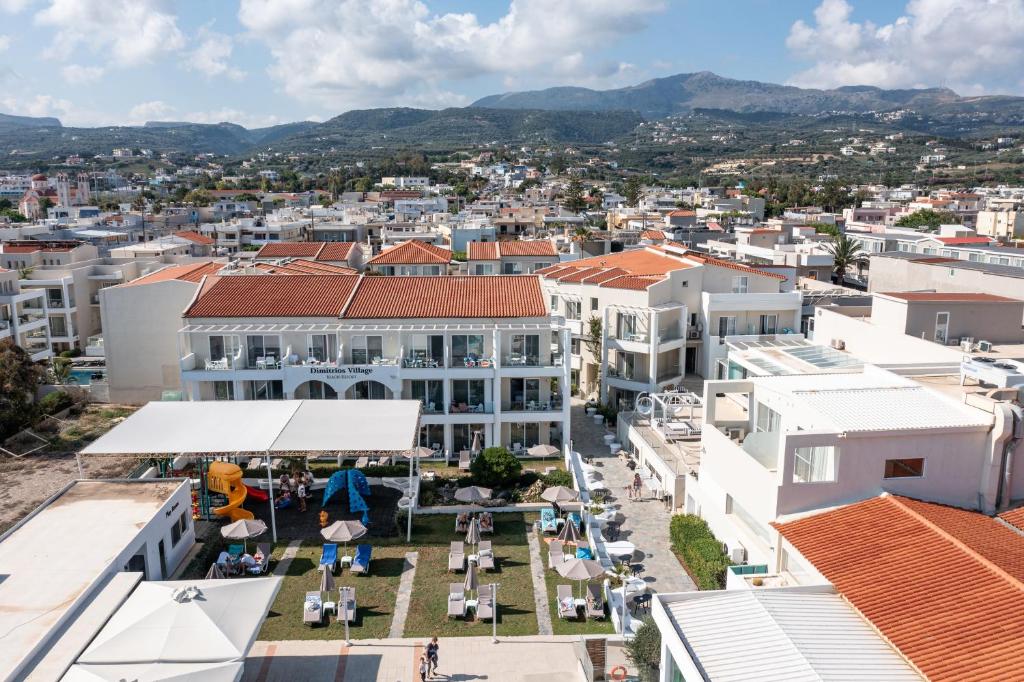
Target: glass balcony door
{"x":323,"y":347}
{"x":430,"y":393}
{"x":467,"y":347}
{"x":259,"y":348}
{"x":366,"y":349}
{"x":468,"y":394}
{"x":525,"y":350}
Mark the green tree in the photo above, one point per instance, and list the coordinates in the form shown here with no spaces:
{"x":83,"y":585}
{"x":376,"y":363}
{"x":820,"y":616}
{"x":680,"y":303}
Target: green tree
{"x":19,"y":377}
{"x":60,"y":370}
{"x":846,"y":253}
{"x":12,"y":215}
{"x":581,"y":234}
{"x":44,"y":205}
{"x":495,"y":467}
{"x":199,"y":197}
{"x":572,"y":198}
{"x":644,"y":650}
{"x":927,"y":219}
{"x":5,"y":204}
{"x":632,"y":191}
{"x":593,"y":338}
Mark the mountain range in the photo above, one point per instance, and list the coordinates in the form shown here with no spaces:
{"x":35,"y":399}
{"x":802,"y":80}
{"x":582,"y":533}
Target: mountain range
{"x":555,"y":115}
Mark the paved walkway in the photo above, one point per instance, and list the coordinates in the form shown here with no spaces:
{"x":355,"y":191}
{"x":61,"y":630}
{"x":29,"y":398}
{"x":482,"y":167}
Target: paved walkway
{"x":460,"y":659}
{"x":540,"y":590}
{"x":404,"y":595}
{"x":645,"y":521}
{"x":286,"y":557}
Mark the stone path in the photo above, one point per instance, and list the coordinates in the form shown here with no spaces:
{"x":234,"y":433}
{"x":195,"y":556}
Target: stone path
{"x":286,"y":557}
{"x":540,"y":590}
{"x":404,"y":595}
{"x":645,"y":521}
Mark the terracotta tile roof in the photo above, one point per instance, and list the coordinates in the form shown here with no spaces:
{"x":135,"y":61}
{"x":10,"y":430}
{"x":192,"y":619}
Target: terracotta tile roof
{"x":482,"y":251}
{"x":444,"y":297}
{"x":646,"y":261}
{"x":949,"y":297}
{"x":1014,"y":517}
{"x":290,"y":250}
{"x":195,"y":237}
{"x":263,"y":296}
{"x":305,"y":267}
{"x":679,"y":213}
{"x":578,"y":274}
{"x":551,"y":269}
{"x":962,"y":241}
{"x":31,"y":246}
{"x":710,"y":260}
{"x":412,"y":252}
{"x":192,"y":272}
{"x":944,"y":585}
{"x":336,"y":251}
{"x":634,"y":282}
{"x":652,"y":234}
{"x":536,"y":247}
{"x":604,"y":275}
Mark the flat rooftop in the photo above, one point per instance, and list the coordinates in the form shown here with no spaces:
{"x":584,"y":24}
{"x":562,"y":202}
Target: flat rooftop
{"x":53,"y":558}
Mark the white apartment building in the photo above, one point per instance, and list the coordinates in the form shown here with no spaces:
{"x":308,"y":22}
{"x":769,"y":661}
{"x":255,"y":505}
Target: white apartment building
{"x":643,"y":318}
{"x":776,"y":446}
{"x":412,"y":257}
{"x":482,"y":354}
{"x":405,"y":182}
{"x":232,"y":236}
{"x":1000,"y":224}
{"x":23,"y":316}
{"x":510,"y":258}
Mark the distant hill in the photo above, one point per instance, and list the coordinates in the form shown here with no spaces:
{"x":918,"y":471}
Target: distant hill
{"x":685,"y":92}
{"x":7,"y":122}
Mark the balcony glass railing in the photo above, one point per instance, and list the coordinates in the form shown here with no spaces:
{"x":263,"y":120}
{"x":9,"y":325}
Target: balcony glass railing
{"x":419,"y":362}
{"x":627,"y":374}
{"x":634,"y":337}
{"x":474,"y":408}
{"x":472,"y":361}
{"x":669,"y":335}
{"x":518,"y":360}
{"x":531,"y":405}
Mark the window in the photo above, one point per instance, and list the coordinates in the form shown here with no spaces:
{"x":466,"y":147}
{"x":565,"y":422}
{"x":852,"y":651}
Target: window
{"x":427,"y":347}
{"x":768,"y":420}
{"x":740,"y":284}
{"x":366,"y":349}
{"x":224,"y":348}
{"x":941,"y":327}
{"x":574,"y":345}
{"x":261,"y":347}
{"x":323,"y":347}
{"x":223,"y":390}
{"x":573,"y":310}
{"x":511,"y":268}
{"x":179,"y":528}
{"x":768,"y":324}
{"x":626,"y":327}
{"x":526,"y":348}
{"x":593,"y":304}
{"x":904,"y":468}
{"x":726,"y":326}
{"x":468,"y":392}
{"x":527,"y":435}
{"x":524,"y":392}
{"x":554,"y":303}
{"x":815,"y":464}
{"x":486,"y":269}
{"x":466,"y":346}
{"x":430,"y":393}
{"x":266,"y":390}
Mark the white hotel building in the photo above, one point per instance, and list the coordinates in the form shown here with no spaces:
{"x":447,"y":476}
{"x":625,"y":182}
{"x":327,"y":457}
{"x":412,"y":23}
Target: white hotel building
{"x":483,"y":354}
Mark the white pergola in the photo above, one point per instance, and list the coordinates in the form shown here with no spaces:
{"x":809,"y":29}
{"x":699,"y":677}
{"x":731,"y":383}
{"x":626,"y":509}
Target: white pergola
{"x":204,"y":428}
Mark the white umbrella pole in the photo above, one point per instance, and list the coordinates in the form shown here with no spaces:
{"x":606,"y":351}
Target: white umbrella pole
{"x":494,"y":612}
{"x":344,"y":612}
{"x":270,"y":499}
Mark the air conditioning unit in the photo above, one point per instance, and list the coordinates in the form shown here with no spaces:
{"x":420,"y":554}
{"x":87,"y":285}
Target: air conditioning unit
{"x":967,"y":344}
{"x":838,"y":344}
{"x":736,"y":552}
{"x":985,"y":346}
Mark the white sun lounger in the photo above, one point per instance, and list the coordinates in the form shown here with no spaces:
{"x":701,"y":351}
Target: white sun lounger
{"x":456,"y":600}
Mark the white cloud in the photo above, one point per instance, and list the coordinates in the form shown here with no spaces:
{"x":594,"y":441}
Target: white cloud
{"x":5,"y":42}
{"x":38,"y":105}
{"x":76,"y":74}
{"x":211,"y":56}
{"x":351,"y":53}
{"x":242,"y":118}
{"x":13,"y":6}
{"x":935,"y":42}
{"x":126,"y":32}
{"x":149,"y":111}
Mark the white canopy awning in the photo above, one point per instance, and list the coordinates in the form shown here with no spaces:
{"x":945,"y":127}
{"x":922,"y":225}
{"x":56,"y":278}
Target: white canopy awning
{"x":219,"y":427}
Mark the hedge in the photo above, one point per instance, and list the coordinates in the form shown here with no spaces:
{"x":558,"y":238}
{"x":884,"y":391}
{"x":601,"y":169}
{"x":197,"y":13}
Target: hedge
{"x":699,"y":550}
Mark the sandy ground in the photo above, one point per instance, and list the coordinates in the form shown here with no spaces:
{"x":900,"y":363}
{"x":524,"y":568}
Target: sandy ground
{"x":27,"y":481}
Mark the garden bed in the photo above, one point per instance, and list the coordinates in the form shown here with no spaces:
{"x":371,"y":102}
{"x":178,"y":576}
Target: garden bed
{"x":699,"y":551}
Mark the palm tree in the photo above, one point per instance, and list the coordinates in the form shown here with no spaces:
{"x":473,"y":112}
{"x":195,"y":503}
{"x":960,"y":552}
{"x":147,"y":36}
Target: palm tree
{"x":60,"y":370}
{"x":845,"y":253}
{"x":581,"y":234}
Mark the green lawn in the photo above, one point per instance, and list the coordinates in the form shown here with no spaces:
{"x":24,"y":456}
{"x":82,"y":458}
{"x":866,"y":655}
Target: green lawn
{"x":453,"y":471}
{"x":375,"y":595}
{"x":428,"y":610}
{"x":562,"y":626}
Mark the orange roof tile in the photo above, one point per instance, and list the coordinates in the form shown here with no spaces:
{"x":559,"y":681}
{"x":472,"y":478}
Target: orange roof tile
{"x":192,"y":272}
{"x":646,"y":261}
{"x":963,"y":241}
{"x":1014,"y":517}
{"x":944,"y":585}
{"x":948,"y":297}
{"x":578,"y":274}
{"x":710,"y":260}
{"x":634,"y":282}
{"x":537,"y":247}
{"x":290,"y":250}
{"x":336,"y":251}
{"x":195,"y":237}
{"x":482,"y":251}
{"x":412,"y":252}
{"x":652,"y":234}
{"x":604,"y":275}
{"x":444,"y":297}
{"x":306,"y":267}
{"x":263,"y":296}
{"x":31,"y":246}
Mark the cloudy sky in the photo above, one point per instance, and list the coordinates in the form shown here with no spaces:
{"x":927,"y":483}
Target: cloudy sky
{"x":260,"y":62}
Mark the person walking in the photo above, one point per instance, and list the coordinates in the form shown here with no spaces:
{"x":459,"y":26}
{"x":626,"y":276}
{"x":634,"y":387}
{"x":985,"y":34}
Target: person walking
{"x":301,"y":491}
{"x":629,"y":491}
{"x":432,"y":648}
{"x":424,"y":668}
{"x":636,"y":485}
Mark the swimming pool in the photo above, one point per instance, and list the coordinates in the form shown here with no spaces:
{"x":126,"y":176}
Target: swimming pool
{"x":83,"y":375}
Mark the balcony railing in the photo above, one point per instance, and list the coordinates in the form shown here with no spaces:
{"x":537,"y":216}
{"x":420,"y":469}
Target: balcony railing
{"x":422,"y":362}
{"x":518,"y":360}
{"x":472,"y":361}
{"x":531,"y":405}
{"x":633,"y":337}
{"x":627,"y":374}
{"x":669,"y":335}
{"x":466,"y":408}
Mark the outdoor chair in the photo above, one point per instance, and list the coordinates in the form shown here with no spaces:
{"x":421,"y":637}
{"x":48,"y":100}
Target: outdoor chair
{"x":456,"y":600}
{"x":260,"y":568}
{"x":566,"y":602}
{"x":313,"y":610}
{"x":254,"y":463}
{"x":462,"y":522}
{"x":484,"y":603}
{"x":595,"y":601}
{"x":457,"y":556}
{"x":362,"y":462}
{"x":329,"y":557}
{"x":236,"y":551}
{"x":384,"y":461}
{"x":576,"y":520}
{"x":464,"y":460}
{"x":361,"y":561}
{"x":556,"y":554}
{"x":486,"y":522}
{"x":548,"y":520}
{"x":346,"y":608}
{"x":485,"y":556}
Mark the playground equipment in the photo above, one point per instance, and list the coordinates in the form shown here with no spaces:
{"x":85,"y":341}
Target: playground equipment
{"x":226,"y":478}
{"x":358,"y":488}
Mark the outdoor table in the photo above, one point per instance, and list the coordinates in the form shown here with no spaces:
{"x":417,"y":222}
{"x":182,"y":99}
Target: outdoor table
{"x":330,"y":607}
{"x":473,"y":558}
{"x":471,"y":604}
{"x":346,"y":561}
{"x":579,"y":603}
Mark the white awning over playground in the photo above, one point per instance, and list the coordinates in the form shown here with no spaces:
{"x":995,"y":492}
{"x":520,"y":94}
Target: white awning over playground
{"x":224,"y":427}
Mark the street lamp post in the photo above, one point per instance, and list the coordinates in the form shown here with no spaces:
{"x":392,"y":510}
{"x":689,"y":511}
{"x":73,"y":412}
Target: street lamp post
{"x":344,"y":611}
{"x":494,"y":614}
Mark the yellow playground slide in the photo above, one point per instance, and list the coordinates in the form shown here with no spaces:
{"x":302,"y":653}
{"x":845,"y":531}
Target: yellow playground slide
{"x":226,"y":478}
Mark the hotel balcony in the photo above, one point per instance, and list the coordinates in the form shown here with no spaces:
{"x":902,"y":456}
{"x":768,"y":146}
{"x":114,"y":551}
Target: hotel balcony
{"x":530,"y":406}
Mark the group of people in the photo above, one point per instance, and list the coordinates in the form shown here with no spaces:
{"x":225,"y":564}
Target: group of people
{"x":635,"y":490}
{"x":240,"y":564}
{"x":428,"y":660}
{"x":294,"y":489}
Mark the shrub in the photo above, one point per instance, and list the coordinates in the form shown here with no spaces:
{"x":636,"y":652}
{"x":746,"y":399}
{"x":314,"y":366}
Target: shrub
{"x":496,"y":467}
{"x":557,"y":477}
{"x":52,"y":403}
{"x":699,"y":550}
{"x":644,"y":651}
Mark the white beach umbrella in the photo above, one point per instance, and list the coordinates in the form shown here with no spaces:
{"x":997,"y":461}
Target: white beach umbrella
{"x":473,"y":494}
{"x":243,"y":529}
{"x":344,"y":532}
{"x":559,"y":493}
{"x":580,"y":569}
{"x":543,"y":451}
{"x":473,"y":534}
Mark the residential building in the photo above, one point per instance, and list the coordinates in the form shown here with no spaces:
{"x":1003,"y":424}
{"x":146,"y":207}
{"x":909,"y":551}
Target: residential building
{"x":510,"y":257}
{"x":336,"y":253}
{"x":643,"y":318}
{"x":1002,"y":225}
{"x":406,"y":182}
{"x":411,"y":257}
{"x":23,"y":316}
{"x":897,"y":271}
{"x":483,"y":354}
{"x":948,"y":317}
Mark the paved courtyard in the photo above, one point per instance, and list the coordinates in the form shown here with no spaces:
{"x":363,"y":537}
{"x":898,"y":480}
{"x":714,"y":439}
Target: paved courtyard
{"x":646,"y":520}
